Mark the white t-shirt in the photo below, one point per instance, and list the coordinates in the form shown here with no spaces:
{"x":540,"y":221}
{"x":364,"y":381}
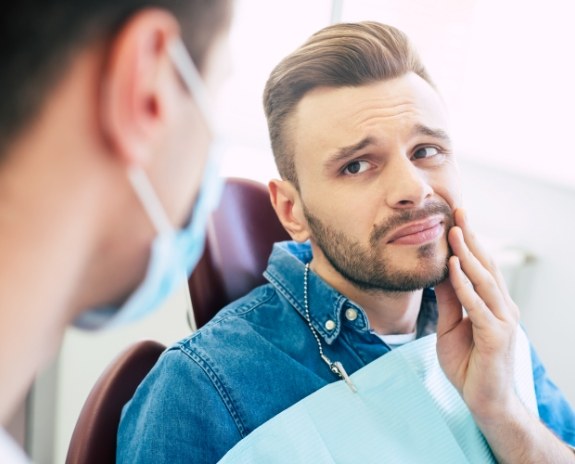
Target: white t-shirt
{"x":396,"y":340}
{"x":10,"y":453}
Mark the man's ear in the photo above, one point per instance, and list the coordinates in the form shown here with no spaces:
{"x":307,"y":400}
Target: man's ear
{"x":138,"y":79}
{"x":287,"y":204}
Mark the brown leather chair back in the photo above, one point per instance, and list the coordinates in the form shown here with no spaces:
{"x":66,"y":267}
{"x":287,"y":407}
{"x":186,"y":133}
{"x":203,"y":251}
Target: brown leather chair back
{"x":94,"y":437}
{"x":239,"y":241}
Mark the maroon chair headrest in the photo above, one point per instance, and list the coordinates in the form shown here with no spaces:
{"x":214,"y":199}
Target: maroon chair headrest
{"x":239,"y":241}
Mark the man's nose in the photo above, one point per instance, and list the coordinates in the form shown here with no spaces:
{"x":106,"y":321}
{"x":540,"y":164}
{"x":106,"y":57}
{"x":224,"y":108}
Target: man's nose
{"x":407,"y":185}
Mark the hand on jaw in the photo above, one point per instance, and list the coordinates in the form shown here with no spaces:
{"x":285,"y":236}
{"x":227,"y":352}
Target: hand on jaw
{"x":476,"y":348}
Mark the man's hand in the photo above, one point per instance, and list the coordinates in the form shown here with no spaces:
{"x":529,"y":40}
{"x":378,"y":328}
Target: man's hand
{"x":476,"y":332}
{"x":476,"y":350}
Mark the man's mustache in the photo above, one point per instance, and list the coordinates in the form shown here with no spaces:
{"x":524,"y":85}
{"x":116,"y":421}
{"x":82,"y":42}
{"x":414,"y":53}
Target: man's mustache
{"x":410,"y":215}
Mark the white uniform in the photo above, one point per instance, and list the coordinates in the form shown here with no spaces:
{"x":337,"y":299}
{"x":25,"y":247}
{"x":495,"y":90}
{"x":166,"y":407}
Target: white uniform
{"x":10,"y":453}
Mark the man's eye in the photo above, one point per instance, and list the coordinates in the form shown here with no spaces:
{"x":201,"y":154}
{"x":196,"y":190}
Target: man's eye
{"x":425,"y":152}
{"x":356,"y":167}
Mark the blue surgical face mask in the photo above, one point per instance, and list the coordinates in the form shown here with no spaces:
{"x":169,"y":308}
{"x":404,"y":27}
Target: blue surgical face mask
{"x":174,"y":253}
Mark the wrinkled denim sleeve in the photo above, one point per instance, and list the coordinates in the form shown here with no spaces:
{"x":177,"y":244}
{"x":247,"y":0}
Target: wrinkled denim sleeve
{"x":176,"y":416}
{"x":554,"y":410}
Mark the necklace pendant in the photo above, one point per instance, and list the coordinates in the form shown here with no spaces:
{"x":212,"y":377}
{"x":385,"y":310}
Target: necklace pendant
{"x":338,"y":368}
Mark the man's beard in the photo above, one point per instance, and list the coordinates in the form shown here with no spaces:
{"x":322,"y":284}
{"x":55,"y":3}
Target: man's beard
{"x":368,"y":268}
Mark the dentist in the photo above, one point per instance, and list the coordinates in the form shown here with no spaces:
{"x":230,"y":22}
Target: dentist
{"x":108,"y":168}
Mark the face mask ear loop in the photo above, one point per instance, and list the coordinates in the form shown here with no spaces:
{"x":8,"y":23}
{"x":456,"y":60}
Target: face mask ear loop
{"x":149,"y":199}
{"x":193,"y":81}
{"x":191,"y":78}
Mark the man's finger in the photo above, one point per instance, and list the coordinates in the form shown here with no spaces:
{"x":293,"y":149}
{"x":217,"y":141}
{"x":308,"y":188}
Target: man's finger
{"x":479,"y":313}
{"x":483,"y":282}
{"x":448,"y":307}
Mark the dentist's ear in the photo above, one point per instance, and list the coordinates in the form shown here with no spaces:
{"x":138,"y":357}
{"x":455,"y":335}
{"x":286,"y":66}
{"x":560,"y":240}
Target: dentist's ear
{"x":287,"y":204}
{"x":138,"y":83}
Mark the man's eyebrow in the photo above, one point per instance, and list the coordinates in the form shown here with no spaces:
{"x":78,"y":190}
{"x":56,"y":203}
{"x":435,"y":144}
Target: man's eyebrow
{"x":345,"y":153}
{"x":420,"y":129}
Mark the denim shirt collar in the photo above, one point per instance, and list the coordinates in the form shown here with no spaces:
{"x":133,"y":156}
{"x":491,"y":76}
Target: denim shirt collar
{"x":285,"y":272}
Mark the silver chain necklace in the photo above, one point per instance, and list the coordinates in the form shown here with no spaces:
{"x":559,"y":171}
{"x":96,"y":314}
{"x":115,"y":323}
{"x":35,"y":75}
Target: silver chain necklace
{"x":336,"y":367}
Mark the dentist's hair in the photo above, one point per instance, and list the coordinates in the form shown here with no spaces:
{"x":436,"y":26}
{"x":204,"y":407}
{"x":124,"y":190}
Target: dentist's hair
{"x":39,"y":38}
{"x":341,"y":55}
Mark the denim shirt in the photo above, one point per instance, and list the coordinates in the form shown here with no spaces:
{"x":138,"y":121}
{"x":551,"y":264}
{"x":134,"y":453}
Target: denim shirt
{"x":258,"y":357}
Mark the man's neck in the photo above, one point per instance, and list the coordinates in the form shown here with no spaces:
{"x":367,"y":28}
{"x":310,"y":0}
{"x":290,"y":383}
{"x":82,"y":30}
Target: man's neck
{"x":391,"y":313}
{"x":36,"y":249}
{"x":387,"y":312}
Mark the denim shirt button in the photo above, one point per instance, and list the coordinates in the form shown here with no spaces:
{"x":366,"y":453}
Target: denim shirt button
{"x":351,"y":314}
{"x":329,"y":325}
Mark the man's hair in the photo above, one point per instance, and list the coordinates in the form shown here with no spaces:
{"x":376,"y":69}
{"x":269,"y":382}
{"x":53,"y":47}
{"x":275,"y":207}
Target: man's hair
{"x":341,"y":55}
{"x":38,"y":39}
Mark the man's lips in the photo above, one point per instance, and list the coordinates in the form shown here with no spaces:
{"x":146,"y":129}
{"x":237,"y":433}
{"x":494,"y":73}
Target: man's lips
{"x":417,"y":233}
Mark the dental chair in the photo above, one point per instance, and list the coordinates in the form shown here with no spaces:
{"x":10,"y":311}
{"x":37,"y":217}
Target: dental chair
{"x":239,"y":241}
